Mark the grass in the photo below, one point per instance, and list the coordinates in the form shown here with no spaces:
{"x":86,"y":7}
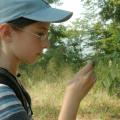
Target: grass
{"x":47,"y":101}
{"x":47,"y":91}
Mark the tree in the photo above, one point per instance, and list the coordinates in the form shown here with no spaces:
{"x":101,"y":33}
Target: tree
{"x":105,"y":39}
{"x":111,"y":10}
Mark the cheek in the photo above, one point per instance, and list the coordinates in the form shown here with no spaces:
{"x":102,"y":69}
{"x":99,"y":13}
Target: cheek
{"x":20,"y":50}
{"x":27,"y":50}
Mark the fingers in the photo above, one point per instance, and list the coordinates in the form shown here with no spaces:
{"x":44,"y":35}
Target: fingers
{"x":90,"y":77}
{"x":85,"y":78}
{"x":87,"y":83}
{"x":88,"y":67}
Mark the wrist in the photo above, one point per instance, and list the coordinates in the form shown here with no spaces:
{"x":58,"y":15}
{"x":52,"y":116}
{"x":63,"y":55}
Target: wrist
{"x":75,"y":92}
{"x":70,"y":105}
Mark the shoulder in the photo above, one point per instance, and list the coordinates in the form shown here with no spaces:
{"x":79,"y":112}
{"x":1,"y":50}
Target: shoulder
{"x":10,"y":105}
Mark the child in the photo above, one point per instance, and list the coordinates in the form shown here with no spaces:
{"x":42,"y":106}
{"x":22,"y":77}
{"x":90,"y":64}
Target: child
{"x":24,"y":28}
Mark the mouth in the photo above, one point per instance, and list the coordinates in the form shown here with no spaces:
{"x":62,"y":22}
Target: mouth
{"x":39,"y":53}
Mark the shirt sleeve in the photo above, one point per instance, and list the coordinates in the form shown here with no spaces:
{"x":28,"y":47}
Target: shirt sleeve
{"x":10,"y":106}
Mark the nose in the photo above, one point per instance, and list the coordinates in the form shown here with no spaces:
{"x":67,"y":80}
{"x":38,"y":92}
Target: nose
{"x":46,"y":44}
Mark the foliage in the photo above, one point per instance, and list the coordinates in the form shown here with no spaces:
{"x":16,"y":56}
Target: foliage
{"x":64,"y":47}
{"x":98,"y":30}
{"x":104,"y":38}
{"x":111,"y":10}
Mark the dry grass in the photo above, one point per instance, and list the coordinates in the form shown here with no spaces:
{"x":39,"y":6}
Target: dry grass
{"x":47,"y":100}
{"x":47,"y":91}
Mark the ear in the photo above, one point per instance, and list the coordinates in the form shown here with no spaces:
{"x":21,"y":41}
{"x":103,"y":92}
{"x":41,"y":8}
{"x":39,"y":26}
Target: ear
{"x":5,"y":32}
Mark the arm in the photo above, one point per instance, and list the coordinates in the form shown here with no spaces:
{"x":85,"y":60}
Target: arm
{"x":76,"y":91}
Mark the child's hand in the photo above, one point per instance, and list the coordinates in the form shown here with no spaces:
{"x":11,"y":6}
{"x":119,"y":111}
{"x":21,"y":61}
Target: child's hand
{"x":83,"y":80}
{"x":76,"y":90}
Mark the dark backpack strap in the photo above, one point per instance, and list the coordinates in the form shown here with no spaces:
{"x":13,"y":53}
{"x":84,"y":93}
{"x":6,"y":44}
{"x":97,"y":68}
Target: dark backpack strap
{"x":8,"y":79}
{"x":27,"y":96}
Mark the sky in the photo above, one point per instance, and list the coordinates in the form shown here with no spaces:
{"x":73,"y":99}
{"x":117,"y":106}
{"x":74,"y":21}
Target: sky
{"x":74,"y":6}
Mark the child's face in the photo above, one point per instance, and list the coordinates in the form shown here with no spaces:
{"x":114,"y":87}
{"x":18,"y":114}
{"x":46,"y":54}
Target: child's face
{"x":28,"y":43}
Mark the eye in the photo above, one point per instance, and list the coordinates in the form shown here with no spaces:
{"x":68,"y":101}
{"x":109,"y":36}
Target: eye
{"x":41,"y":33}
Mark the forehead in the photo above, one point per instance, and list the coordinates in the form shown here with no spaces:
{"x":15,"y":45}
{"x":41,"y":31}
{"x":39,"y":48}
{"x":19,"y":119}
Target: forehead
{"x":39,"y":25}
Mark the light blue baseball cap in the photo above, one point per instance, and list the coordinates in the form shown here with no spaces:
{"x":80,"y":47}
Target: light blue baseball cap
{"x":38,"y":10}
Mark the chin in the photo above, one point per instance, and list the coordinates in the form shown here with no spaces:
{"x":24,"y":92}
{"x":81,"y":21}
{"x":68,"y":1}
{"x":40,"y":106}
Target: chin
{"x":32,"y":61}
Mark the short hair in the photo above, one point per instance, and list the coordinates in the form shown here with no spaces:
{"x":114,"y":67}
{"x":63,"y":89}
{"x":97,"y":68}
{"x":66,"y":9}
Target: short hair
{"x":21,"y":22}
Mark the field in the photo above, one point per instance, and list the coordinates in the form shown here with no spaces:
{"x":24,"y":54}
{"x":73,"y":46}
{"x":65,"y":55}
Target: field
{"x":47,"y":91}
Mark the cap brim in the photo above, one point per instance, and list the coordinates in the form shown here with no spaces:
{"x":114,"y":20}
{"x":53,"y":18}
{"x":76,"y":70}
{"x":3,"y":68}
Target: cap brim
{"x":50,"y":15}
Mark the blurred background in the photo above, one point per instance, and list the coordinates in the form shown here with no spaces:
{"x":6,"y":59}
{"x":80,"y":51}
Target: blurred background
{"x":93,"y":33}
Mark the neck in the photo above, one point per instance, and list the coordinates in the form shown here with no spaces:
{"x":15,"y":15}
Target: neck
{"x":8,"y":62}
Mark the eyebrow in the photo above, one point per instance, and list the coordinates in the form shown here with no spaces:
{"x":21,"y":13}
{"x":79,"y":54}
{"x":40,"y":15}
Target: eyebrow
{"x":44,"y":28}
